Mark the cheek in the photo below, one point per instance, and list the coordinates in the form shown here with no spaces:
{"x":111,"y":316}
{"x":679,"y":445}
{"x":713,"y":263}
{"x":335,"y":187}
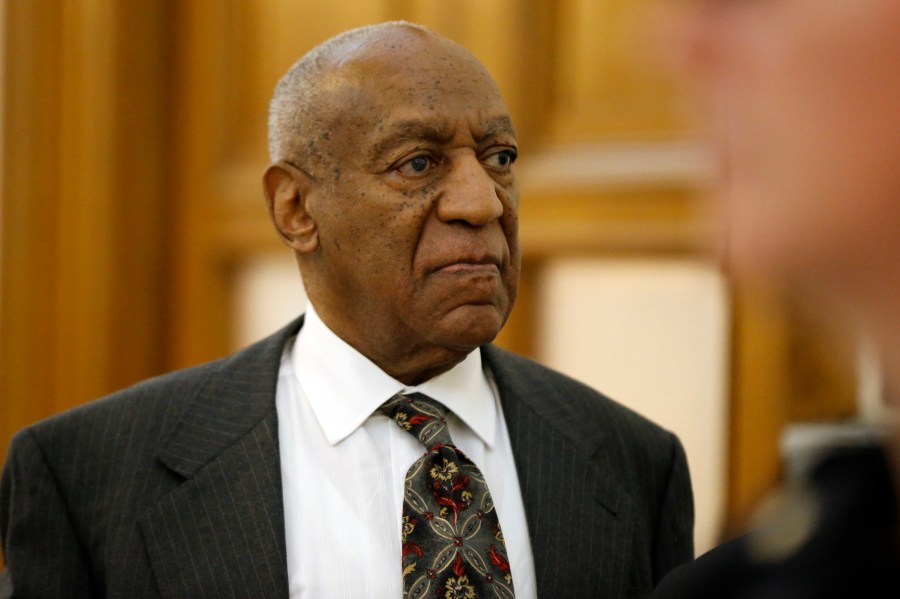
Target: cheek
{"x":510,"y":218}
{"x":371,"y":235}
{"x":390,"y":238}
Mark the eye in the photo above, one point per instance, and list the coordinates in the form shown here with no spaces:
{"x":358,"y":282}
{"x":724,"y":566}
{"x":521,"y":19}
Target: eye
{"x":501,"y":160}
{"x":417,"y":165}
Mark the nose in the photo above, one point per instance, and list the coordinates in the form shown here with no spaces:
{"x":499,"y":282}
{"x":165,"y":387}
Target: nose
{"x":470,"y":194}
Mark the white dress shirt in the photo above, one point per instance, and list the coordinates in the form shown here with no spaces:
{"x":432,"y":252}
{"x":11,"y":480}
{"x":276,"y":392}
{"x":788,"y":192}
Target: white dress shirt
{"x":343,"y":467}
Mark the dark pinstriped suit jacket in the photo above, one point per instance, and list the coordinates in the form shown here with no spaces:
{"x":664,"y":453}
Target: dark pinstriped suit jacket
{"x":172,"y":488}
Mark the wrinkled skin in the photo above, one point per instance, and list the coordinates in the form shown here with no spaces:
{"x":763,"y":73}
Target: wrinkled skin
{"x":405,"y":219}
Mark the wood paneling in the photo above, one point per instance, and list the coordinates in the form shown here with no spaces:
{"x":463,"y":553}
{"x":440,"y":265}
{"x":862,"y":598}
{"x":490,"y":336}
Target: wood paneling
{"x":608,"y":81}
{"x":29,"y":243}
{"x":788,"y":365}
{"x":83,"y":201}
{"x":760,"y":382}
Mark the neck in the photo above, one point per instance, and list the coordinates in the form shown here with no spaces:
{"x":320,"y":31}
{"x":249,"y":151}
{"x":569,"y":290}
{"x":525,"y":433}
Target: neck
{"x":414,"y":368}
{"x":410,"y":362}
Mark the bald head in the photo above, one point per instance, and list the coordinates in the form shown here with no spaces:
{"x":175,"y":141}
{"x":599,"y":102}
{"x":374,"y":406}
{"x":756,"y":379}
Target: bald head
{"x":322,"y":87}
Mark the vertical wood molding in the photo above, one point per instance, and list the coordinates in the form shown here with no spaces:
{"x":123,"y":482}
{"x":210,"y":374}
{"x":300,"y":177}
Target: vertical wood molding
{"x":27,"y":307}
{"x":197,"y":328}
{"x":83,"y":197}
{"x":142,"y":196}
{"x":760,"y":393}
{"x":789,"y":364}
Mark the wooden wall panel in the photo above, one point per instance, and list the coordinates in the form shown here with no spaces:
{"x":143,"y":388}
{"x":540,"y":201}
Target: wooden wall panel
{"x":83,"y":202}
{"x":29,"y":246}
{"x":608,"y":81}
{"x":760,"y":394}
{"x":198,"y":305}
{"x":84,"y":199}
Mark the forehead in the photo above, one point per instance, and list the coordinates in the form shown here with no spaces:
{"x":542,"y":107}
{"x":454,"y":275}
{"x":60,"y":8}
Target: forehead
{"x":399,"y":55}
{"x":410,"y":126}
{"x":416,"y":88}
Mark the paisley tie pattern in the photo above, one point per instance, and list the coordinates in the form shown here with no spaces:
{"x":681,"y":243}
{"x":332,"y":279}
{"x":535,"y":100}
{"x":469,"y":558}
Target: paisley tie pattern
{"x":452,"y":545}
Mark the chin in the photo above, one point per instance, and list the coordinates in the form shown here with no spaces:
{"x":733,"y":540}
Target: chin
{"x":468,"y":327}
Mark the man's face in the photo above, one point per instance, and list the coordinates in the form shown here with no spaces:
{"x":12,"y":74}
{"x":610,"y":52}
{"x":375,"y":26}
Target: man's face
{"x":803,"y":96}
{"x":416,"y":206}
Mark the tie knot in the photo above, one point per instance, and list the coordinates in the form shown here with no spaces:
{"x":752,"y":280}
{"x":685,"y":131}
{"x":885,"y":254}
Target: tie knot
{"x":421,"y":416}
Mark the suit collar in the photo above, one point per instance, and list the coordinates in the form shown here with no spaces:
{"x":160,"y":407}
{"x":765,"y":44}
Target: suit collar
{"x":530,"y":397}
{"x":515,"y":379}
{"x":220,"y":532}
{"x":557,"y":447}
{"x":237,"y":394}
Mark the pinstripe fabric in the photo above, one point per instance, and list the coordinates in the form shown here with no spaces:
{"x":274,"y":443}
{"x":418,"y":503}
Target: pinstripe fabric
{"x":607,"y":493}
{"x":172,"y":488}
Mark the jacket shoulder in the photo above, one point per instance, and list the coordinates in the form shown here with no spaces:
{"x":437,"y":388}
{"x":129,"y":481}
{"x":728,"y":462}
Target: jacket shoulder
{"x":158,"y":402}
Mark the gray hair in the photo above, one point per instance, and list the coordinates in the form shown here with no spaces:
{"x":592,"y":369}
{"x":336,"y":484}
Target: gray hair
{"x":295,"y":108}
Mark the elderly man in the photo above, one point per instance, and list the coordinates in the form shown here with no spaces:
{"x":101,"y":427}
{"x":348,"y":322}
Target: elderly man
{"x":281,"y":471}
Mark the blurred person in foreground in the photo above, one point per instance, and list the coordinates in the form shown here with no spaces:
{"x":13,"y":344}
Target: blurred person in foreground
{"x":803,"y":103}
{"x":280,"y":471}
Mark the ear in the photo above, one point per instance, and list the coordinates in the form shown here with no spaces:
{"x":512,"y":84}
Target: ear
{"x":286,"y":189}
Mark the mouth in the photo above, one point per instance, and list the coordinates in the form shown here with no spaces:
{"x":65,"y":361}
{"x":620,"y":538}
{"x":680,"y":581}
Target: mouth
{"x":466,"y":266}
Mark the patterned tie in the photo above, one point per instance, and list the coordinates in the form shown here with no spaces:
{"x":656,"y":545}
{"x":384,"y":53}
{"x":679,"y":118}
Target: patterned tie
{"x":451,"y":538}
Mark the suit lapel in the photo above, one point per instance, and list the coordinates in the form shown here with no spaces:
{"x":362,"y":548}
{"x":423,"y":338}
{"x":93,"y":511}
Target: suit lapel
{"x":220,"y":533}
{"x":579,"y":518}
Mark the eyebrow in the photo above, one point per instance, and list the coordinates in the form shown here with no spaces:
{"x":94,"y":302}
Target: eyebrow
{"x":404,"y":132}
{"x":501,"y":125}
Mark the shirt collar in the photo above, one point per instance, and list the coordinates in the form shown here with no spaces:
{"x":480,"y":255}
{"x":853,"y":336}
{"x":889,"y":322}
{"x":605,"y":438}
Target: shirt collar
{"x":344,"y":387}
